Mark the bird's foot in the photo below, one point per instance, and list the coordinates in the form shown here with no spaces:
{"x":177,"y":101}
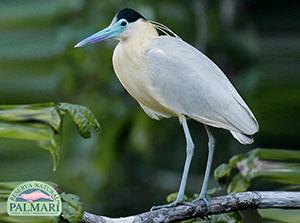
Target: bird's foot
{"x":171,"y":205}
{"x":204,"y":199}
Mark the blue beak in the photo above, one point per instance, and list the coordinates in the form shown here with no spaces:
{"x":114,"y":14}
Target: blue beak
{"x":107,"y":33}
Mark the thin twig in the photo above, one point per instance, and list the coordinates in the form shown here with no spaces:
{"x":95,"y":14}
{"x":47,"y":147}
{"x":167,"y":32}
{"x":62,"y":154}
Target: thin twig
{"x":216,"y":205}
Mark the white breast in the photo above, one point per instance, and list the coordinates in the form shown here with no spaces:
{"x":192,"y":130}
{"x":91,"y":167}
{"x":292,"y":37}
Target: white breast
{"x":130,"y":69}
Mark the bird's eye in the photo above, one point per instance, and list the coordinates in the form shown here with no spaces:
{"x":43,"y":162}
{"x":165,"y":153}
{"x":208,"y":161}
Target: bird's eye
{"x":124,"y":23}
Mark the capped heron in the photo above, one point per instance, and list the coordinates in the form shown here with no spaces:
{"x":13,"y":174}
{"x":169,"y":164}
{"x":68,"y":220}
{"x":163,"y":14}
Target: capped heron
{"x":170,"y":78}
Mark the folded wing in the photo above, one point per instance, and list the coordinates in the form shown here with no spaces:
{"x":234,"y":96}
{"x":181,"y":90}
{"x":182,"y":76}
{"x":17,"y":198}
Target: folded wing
{"x":187,"y":82}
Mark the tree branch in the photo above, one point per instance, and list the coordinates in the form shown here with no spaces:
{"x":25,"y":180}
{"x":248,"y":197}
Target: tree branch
{"x":216,"y":205}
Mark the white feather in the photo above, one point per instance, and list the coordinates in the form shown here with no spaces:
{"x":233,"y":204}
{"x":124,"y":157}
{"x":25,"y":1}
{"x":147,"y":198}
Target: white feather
{"x":189,"y":83}
{"x":242,"y":138}
{"x":169,"y":77}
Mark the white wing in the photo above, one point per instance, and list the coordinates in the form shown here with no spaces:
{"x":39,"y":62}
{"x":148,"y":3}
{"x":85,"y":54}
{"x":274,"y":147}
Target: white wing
{"x":189,"y":83}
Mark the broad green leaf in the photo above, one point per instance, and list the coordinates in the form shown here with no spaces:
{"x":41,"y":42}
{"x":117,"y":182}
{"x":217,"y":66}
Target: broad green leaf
{"x":222,"y":172}
{"x":43,"y":123}
{"x":72,"y":207}
{"x":235,"y":159}
{"x":280,"y":215}
{"x":42,"y":133}
{"x":238,"y":184}
{"x":274,"y":165}
{"x":27,"y":131}
{"x":172,"y":197}
{"x":44,"y":113}
{"x":278,"y":154}
{"x":82,"y":117}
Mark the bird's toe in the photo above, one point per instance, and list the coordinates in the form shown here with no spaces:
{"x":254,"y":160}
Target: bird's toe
{"x":170,"y":205}
{"x":198,"y":207}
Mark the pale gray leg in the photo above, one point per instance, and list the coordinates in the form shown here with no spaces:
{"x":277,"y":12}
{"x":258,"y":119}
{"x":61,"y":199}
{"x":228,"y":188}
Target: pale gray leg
{"x":189,"y":155}
{"x":211,"y":149}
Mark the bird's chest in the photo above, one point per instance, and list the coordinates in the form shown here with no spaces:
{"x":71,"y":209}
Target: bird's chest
{"x":130,"y":68}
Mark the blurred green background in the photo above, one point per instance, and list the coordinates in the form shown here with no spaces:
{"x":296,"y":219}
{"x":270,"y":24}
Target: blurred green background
{"x":136,"y":162}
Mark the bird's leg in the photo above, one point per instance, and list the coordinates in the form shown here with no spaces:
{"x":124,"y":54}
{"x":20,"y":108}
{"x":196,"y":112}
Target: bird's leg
{"x":189,"y":155}
{"x":211,"y":148}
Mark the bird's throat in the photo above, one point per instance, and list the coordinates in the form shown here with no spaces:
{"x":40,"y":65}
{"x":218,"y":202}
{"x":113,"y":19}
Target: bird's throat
{"x":138,"y":32}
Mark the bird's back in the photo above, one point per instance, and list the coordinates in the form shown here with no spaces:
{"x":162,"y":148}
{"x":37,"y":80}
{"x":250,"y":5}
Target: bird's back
{"x":187,"y":82}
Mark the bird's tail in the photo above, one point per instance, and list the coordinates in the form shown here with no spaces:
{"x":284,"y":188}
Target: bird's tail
{"x":242,"y":138}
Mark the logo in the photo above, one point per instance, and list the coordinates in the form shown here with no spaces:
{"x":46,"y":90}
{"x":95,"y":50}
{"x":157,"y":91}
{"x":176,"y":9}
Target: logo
{"x":34,"y":198}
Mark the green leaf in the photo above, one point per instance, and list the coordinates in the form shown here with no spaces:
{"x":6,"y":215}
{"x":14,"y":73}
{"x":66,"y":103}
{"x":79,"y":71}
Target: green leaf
{"x":222,"y":172}
{"x":6,"y":188}
{"x":280,"y":215}
{"x":43,"y":123}
{"x":235,"y":159}
{"x":44,"y":113}
{"x":276,"y":154}
{"x":42,"y":133}
{"x":172,"y":197}
{"x":238,"y":184}
{"x":273,"y":165}
{"x":72,"y":207}
{"x":82,"y":116}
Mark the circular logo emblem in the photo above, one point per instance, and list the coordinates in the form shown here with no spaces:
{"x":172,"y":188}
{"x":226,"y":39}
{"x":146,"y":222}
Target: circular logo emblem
{"x":34,"y":198}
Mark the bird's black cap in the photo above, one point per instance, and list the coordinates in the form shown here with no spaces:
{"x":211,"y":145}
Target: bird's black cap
{"x":130,"y":15}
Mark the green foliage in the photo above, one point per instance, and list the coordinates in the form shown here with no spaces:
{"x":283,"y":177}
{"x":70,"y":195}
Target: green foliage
{"x":223,"y":172}
{"x":82,"y":117}
{"x":274,"y":165}
{"x":280,"y":215}
{"x":267,"y":165}
{"x":43,"y":123}
{"x":72,"y":207}
{"x":172,"y":197}
{"x":238,"y":183}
